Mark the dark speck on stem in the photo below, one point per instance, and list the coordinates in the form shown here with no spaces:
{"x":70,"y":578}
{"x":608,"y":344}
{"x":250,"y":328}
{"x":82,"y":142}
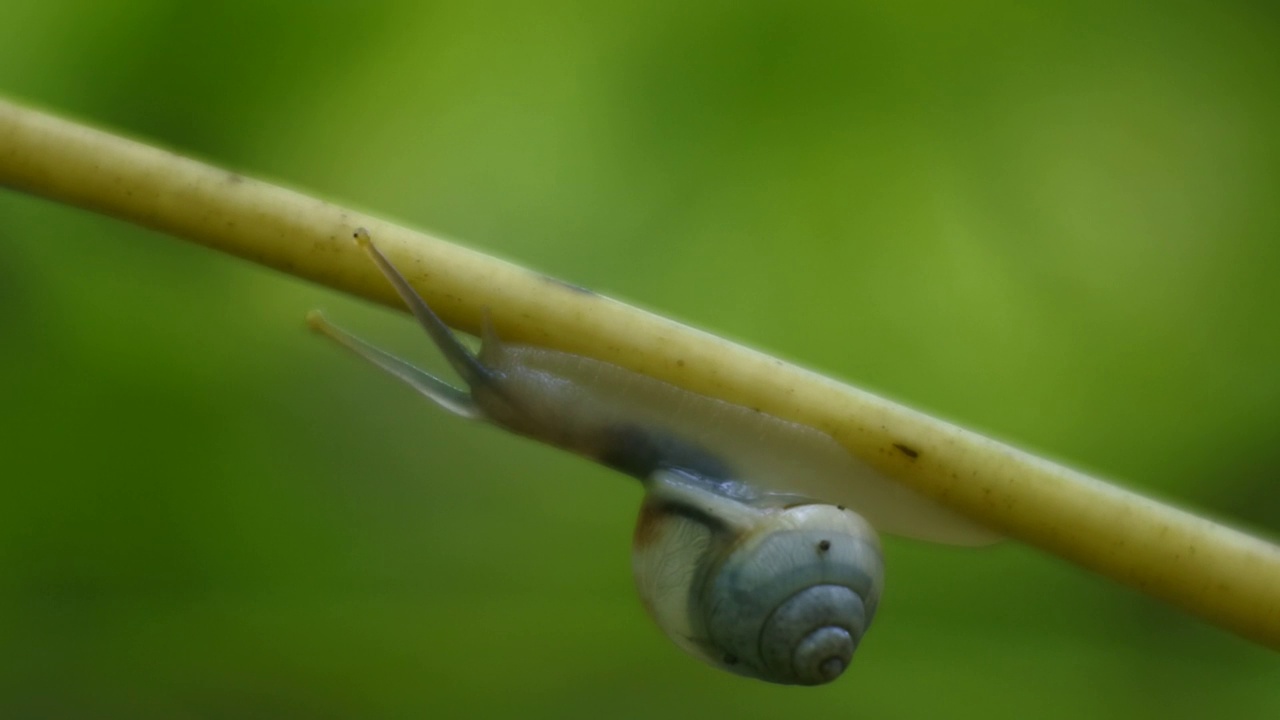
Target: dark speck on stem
{"x":907,"y":450}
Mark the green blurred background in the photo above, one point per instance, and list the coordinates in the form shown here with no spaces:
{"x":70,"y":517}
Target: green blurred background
{"x":1058,"y":224}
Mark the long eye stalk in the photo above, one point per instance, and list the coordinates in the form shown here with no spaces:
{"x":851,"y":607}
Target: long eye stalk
{"x":463,"y":360}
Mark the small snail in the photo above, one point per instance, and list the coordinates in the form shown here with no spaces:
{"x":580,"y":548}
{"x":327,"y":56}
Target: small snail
{"x":733,"y":557}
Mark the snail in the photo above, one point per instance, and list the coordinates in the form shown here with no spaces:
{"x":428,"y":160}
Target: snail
{"x":739,"y":555}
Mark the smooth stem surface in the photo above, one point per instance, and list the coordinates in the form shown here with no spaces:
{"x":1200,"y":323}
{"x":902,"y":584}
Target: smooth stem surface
{"x":1223,"y":575}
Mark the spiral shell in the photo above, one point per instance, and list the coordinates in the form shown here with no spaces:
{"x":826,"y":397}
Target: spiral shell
{"x":779,"y":594}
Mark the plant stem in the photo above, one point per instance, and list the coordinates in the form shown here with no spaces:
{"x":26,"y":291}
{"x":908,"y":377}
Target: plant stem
{"x":1221,"y":574}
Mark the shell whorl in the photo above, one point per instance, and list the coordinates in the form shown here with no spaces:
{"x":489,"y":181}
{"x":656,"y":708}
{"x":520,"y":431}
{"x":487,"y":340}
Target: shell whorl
{"x":791,"y":605}
{"x":779,"y":594}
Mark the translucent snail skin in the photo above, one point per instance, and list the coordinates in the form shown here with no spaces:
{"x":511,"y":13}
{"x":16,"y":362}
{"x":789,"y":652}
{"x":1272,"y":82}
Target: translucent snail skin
{"x":734,"y":557}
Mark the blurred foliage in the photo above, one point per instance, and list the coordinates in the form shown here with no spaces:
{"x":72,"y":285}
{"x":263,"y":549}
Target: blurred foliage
{"x":1055,"y":222}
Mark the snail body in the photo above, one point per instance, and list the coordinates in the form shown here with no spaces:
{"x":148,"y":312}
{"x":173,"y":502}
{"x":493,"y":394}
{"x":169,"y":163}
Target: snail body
{"x":738,"y":555}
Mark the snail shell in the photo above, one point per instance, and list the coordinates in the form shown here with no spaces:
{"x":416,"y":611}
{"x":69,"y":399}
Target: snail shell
{"x":780,"y":593}
{"x":735,"y":557}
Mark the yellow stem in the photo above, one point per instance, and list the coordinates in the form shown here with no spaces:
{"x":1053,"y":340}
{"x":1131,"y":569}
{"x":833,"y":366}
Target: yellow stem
{"x":1221,"y":574}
